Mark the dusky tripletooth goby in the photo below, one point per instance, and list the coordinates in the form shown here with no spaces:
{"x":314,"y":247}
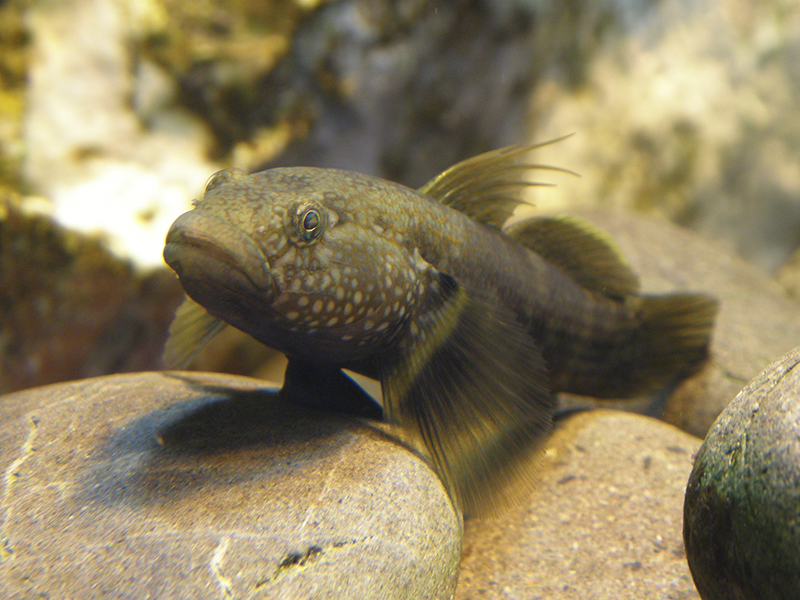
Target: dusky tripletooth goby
{"x":470,"y":326}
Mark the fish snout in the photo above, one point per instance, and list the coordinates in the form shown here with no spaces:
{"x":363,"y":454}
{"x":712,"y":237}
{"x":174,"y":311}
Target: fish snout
{"x":208,"y":253}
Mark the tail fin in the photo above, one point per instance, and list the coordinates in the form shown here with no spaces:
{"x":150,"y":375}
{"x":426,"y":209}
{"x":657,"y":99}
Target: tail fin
{"x":676,"y":332}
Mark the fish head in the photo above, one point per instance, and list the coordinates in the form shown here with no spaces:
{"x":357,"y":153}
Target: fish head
{"x":304,"y":260}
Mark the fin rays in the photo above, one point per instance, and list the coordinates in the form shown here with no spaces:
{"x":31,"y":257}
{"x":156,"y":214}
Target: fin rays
{"x":191,"y":329}
{"x":472,"y":387}
{"x":488,"y":187}
{"x":581,"y":250}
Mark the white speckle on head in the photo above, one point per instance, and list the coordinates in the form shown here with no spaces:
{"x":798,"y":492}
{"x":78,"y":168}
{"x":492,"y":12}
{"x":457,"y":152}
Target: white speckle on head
{"x":357,"y":297}
{"x":348,"y":308}
{"x":350,"y":320}
{"x":336,"y":274}
{"x":367,"y":324}
{"x":388,"y":281}
{"x":303,"y":301}
{"x":347,"y":338}
{"x":294,"y":287}
{"x":292,"y":315}
{"x":331,"y":305}
{"x":326,"y":282}
{"x":339,"y":293}
{"x":317,"y":308}
{"x":398,"y":291}
{"x":354,"y":283}
{"x":382,"y":326}
{"x":332,"y":322}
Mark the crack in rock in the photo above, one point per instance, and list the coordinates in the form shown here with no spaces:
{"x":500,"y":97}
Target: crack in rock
{"x":216,"y":567}
{"x":312,"y":554}
{"x":9,"y":479}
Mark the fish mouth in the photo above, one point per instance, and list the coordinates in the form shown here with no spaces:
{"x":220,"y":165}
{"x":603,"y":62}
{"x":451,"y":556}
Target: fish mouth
{"x":216,"y":261}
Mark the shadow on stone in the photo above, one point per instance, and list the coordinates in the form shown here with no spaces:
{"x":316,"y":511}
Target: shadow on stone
{"x":220,"y":437}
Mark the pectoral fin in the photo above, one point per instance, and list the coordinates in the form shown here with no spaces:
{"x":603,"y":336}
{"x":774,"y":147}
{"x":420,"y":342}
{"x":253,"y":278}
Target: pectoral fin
{"x":191,"y":329}
{"x":470,"y":384}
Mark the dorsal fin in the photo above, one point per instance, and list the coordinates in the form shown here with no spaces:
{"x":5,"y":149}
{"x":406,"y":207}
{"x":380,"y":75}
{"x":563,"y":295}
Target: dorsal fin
{"x":583,"y":251}
{"x":488,"y":187}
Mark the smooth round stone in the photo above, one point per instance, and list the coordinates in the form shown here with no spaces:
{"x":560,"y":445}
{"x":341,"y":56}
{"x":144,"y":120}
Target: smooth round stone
{"x":187,"y":485}
{"x":742,"y":509}
{"x":604,"y":521}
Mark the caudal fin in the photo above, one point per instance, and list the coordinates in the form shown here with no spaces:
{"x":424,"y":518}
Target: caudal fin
{"x":676,"y":333}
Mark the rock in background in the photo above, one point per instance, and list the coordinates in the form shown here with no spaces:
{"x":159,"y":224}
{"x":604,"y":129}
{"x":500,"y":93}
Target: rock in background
{"x":140,"y":102}
{"x":789,"y":275}
{"x":689,"y":110}
{"x":604,"y":521}
{"x":13,"y":73}
{"x":106,"y":141}
{"x":70,"y":309}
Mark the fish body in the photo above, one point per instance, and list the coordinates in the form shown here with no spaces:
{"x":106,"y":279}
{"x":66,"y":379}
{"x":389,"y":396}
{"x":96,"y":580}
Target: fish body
{"x":469,"y":327}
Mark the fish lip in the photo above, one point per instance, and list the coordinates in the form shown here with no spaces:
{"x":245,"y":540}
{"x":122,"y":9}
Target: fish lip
{"x":200,"y":238}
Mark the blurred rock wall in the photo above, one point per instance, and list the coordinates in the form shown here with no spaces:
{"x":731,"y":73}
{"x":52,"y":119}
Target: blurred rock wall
{"x":113,"y":113}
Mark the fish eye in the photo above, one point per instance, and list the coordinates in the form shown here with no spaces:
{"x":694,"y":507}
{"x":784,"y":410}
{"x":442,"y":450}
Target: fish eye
{"x":309,"y":223}
{"x":311,"y":220}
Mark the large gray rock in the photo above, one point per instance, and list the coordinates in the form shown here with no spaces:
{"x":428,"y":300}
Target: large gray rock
{"x":688,"y":109}
{"x":757,"y":321}
{"x":603,"y":523}
{"x":789,"y":275}
{"x":742,"y":517}
{"x":205,"y":486}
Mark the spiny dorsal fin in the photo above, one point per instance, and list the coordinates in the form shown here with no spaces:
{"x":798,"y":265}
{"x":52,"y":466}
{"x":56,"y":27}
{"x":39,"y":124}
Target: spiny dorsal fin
{"x":191,"y":329}
{"x":583,"y":251}
{"x":469,"y":383}
{"x":487,"y":187}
